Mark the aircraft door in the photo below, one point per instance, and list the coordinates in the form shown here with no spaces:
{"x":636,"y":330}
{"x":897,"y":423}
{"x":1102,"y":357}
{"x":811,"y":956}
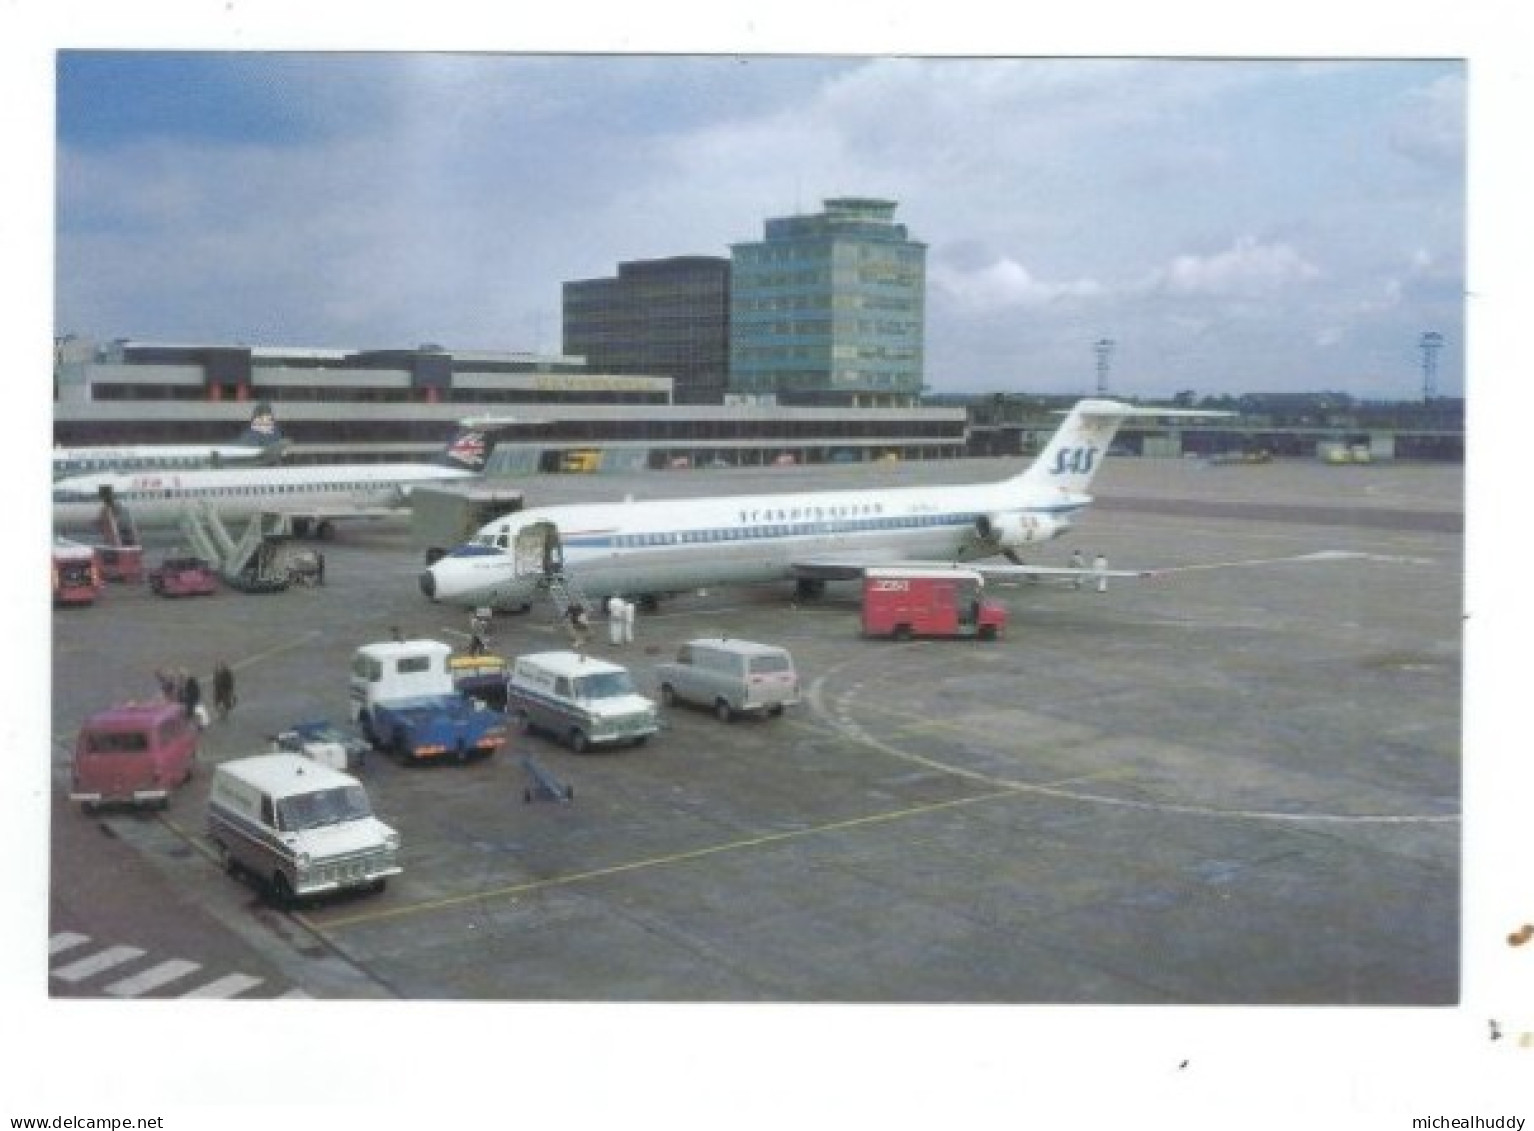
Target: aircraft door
{"x":536,"y":550}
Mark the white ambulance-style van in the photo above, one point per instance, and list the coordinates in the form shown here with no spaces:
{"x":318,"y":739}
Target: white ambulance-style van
{"x":298,"y":826}
{"x":580,"y":700}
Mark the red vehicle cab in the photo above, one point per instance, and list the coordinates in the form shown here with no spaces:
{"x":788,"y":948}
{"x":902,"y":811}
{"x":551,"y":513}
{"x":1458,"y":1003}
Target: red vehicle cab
{"x":929,"y":602}
{"x":133,"y":754}
{"x":76,"y":577}
{"x":121,"y":563}
{"x":183,"y":577}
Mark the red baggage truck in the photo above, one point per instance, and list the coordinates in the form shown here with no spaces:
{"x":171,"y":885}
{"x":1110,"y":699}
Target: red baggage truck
{"x":908,"y":602}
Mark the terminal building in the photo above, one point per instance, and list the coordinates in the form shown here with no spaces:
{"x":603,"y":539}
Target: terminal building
{"x":826,"y":309}
{"x":553,"y":413}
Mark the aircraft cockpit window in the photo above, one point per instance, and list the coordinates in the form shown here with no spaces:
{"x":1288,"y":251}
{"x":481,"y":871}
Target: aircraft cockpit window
{"x":502,"y":540}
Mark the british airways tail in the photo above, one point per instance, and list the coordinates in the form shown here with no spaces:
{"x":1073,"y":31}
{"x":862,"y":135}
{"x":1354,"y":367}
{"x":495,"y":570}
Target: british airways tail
{"x":468,"y":450}
{"x":263,"y":434}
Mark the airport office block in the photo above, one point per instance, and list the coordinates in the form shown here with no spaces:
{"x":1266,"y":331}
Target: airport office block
{"x":663,"y":317}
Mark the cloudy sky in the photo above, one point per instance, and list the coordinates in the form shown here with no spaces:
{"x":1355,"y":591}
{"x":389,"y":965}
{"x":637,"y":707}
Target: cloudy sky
{"x":1231,"y":225}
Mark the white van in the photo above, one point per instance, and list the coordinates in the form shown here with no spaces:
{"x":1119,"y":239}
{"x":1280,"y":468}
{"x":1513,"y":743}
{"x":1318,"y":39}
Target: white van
{"x":731,"y":676}
{"x":579,"y":700}
{"x":298,"y":826}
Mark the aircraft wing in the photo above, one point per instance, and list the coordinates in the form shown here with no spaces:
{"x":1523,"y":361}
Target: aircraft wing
{"x":1017,"y":571}
{"x":849,"y":569}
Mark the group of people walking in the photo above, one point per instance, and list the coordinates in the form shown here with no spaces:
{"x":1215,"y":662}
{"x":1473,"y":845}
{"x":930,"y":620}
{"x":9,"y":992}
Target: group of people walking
{"x":177,"y":685}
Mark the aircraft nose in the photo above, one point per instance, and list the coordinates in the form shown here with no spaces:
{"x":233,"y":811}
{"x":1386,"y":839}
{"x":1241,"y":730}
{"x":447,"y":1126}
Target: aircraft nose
{"x":429,"y":584}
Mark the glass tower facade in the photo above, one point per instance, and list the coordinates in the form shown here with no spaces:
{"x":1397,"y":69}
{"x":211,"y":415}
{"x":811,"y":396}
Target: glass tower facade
{"x":829,"y":308}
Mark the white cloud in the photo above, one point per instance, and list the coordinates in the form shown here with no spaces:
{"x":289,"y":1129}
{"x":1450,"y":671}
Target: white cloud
{"x":1247,"y":269}
{"x":1430,"y":127}
{"x":1004,"y":283}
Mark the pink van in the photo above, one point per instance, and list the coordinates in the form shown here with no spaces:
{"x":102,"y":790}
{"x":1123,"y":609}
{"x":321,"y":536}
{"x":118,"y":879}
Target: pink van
{"x":134,"y":754}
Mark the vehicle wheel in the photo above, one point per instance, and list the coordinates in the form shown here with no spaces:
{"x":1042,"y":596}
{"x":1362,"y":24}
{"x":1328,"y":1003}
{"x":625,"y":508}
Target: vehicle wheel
{"x":401,"y":745}
{"x":668,"y":695}
{"x":365,"y":723}
{"x":723,"y":711}
{"x":902,"y":632}
{"x":641,"y":740}
{"x":378,"y":885}
{"x":988,"y":632}
{"x":88,"y":808}
{"x":522,"y":722}
{"x":775,"y":710}
{"x":578,"y":741}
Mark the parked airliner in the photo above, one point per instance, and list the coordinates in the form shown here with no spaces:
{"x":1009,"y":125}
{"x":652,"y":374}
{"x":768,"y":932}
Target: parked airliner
{"x":310,"y":496}
{"x":648,"y":549}
{"x":260,"y":443}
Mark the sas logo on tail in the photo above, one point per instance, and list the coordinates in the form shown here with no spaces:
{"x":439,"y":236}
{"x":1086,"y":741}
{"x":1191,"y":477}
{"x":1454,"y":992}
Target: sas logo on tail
{"x":1074,"y":461}
{"x":468,"y":449}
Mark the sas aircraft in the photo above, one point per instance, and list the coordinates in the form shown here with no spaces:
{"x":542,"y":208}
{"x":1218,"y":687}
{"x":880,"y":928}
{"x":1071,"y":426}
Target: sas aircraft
{"x":311,"y":497}
{"x":649,"y":549}
{"x":260,"y":443}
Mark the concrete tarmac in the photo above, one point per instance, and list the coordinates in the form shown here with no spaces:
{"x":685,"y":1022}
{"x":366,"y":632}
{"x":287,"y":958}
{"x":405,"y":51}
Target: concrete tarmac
{"x":1235,"y":782}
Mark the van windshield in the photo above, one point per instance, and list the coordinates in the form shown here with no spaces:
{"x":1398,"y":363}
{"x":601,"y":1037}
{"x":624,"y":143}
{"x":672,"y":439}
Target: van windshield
{"x":604,"y":686}
{"x":322,"y":807}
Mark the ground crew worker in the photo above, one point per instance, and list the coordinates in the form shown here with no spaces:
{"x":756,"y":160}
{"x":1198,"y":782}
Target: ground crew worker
{"x":580,"y":625}
{"x":223,"y":690}
{"x":1100,"y":565}
{"x":1078,"y":561}
{"x":615,"y":608}
{"x":191,"y":697}
{"x":629,"y":610}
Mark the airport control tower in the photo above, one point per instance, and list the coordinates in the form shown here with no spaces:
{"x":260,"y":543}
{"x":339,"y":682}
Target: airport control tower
{"x":830,"y":308}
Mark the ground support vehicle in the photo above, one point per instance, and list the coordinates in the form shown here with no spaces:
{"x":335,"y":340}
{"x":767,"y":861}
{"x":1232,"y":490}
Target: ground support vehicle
{"x":325,"y":743}
{"x":482,"y":676}
{"x":184,"y":577}
{"x":298,"y":827}
{"x":121,"y":563}
{"x":731,"y":677}
{"x":133,"y":754}
{"x":76,"y":576}
{"x":443,"y":517}
{"x":580,"y":700}
{"x":403,"y":699}
{"x":929,"y":602}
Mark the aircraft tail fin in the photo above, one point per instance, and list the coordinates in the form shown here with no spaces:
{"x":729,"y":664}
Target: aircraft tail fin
{"x":468,"y":450}
{"x":263,"y":433}
{"x":1076,"y":451}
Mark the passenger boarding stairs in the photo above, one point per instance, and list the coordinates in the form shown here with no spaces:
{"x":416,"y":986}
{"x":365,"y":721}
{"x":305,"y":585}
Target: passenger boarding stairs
{"x":566,"y":594}
{"x":210,"y":538}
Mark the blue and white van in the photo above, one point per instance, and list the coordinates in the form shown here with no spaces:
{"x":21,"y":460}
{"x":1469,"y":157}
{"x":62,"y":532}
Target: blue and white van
{"x":579,"y":700}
